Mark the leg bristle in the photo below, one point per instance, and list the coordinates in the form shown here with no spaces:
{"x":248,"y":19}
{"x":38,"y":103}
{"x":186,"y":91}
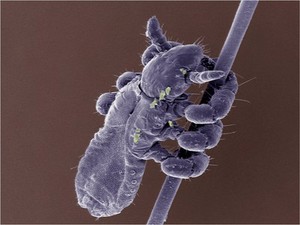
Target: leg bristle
{"x":242,"y":100}
{"x":247,"y":81}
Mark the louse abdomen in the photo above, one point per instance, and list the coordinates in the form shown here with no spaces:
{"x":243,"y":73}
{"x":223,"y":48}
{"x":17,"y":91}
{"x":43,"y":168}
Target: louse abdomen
{"x":101,"y":173}
{"x":134,"y":171}
{"x":103,"y":183}
{"x":108,"y":178}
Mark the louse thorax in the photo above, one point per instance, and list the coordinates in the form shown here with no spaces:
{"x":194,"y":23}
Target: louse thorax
{"x":166,"y":70}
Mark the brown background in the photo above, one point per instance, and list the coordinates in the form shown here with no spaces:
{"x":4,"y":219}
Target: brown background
{"x":58,"y":57}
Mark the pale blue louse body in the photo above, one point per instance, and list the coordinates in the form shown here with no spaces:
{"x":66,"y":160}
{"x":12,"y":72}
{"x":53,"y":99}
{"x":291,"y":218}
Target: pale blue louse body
{"x":142,"y":113}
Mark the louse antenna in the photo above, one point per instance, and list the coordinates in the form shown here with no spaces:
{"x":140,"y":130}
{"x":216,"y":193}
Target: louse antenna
{"x":155,"y":34}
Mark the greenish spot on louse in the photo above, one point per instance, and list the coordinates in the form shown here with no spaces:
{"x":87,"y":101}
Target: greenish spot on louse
{"x":162,"y":95}
{"x":136,"y":136}
{"x":183,"y":71}
{"x":153,"y":104}
{"x":168,"y":90}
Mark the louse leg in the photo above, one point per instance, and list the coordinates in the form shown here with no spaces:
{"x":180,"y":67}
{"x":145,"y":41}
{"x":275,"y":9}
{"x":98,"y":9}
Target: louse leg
{"x":184,"y":168}
{"x":104,"y":102}
{"x":195,"y":162}
{"x":146,"y":146}
{"x":171,"y":131}
{"x":202,"y":137}
{"x":180,"y":107}
{"x":218,"y":106}
{"x":175,"y":166}
{"x":208,"y":133}
{"x":148,"y":54}
{"x":125,"y":78}
{"x":157,"y":153}
{"x":196,"y":141}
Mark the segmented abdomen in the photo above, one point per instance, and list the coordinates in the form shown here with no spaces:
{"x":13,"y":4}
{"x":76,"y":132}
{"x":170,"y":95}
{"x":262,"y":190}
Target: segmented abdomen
{"x":100,"y":173}
{"x":108,"y":178}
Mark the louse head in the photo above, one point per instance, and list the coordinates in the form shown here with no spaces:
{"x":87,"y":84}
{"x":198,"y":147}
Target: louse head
{"x":170,"y":70}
